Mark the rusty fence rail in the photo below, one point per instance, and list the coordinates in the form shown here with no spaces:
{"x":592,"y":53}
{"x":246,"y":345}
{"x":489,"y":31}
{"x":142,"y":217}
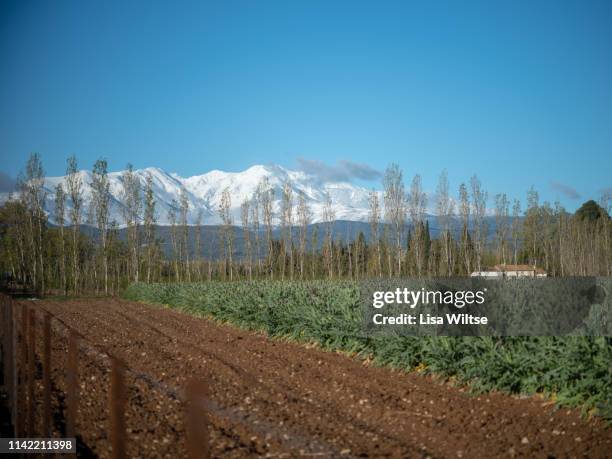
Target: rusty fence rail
{"x":21,"y":329}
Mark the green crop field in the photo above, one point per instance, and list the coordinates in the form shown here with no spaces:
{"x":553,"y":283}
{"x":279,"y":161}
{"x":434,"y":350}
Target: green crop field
{"x":573,"y":371}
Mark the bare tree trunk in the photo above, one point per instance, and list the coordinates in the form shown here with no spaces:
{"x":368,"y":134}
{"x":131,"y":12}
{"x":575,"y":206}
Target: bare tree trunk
{"x":174,"y":239}
{"x":74,"y":186}
{"x":198,"y":246}
{"x":185,"y":233}
{"x":226,"y":218}
{"x":266,"y":196}
{"x":245,"y":214}
{"x":479,"y":200}
{"x":149,"y":223}
{"x":329,"y":217}
{"x":395,"y":209}
{"x":417,"y":202}
{"x":374,"y":218}
{"x":464,"y":210}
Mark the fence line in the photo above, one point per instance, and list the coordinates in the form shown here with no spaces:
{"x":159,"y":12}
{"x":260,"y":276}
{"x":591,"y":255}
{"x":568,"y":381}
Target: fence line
{"x":20,"y":383}
{"x":194,"y":395}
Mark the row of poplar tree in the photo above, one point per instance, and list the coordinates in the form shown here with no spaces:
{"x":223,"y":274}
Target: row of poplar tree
{"x":71,"y":257}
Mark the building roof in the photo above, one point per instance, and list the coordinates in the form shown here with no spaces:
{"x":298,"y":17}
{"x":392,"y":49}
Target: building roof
{"x":507,"y":268}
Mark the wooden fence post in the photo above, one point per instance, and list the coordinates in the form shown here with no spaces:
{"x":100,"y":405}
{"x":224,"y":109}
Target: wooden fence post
{"x":72,"y":389}
{"x":6,"y":344}
{"x":13,"y":356}
{"x":5,"y":327}
{"x":196,"y":420}
{"x":47,"y":428}
{"x":117,"y":403}
{"x":31,"y":372}
{"x":22,"y":401}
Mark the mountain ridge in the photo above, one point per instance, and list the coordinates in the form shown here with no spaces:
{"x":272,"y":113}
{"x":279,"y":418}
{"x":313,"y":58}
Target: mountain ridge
{"x":349,"y":201}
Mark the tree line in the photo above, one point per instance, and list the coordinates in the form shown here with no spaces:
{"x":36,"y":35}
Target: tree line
{"x":66,"y":258}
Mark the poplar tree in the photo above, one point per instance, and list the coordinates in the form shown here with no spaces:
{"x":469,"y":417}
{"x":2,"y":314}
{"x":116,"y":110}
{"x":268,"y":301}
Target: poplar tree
{"x":395,"y":207}
{"x":531,"y":226}
{"x":516,"y":229}
{"x":314,"y":241}
{"x":464,"y":212}
{"x":561,"y":226}
{"x":74,"y":185}
{"x":184,"y":243}
{"x":149,"y":223}
{"x":374,"y":219}
{"x":501,"y":225}
{"x":60,"y":220}
{"x":605,"y":202}
{"x":479,"y":201}
{"x":547,"y":219}
{"x":286,"y":227}
{"x":266,"y":198}
{"x":445,"y":210}
{"x":304,"y":218}
{"x":132,"y":206}
{"x":255,"y":226}
{"x":349,"y":253}
{"x":417,"y":203}
{"x":226,"y":218}
{"x":174,"y":238}
{"x":198,"y":245}
{"x":246,"y":234}
{"x":100,"y":202}
{"x":33,"y":196}
{"x":328,"y":217}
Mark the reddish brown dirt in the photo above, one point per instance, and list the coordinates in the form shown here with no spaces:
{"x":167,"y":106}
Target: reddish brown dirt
{"x":277,"y":399}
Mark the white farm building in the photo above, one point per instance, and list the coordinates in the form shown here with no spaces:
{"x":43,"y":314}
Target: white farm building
{"x":510,"y":271}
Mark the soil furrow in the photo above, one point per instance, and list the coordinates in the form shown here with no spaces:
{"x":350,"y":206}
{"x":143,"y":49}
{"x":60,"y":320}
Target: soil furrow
{"x":325,"y":402}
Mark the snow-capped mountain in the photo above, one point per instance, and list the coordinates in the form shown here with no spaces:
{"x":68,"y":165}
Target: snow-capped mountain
{"x":350,"y":202}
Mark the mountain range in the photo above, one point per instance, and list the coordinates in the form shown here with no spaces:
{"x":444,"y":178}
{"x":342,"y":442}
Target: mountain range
{"x":350,"y":202}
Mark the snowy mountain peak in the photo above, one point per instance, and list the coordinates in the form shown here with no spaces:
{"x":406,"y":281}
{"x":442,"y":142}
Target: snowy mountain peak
{"x":350,"y":202}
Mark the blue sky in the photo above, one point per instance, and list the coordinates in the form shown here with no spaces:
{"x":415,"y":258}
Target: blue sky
{"x":519,"y":93}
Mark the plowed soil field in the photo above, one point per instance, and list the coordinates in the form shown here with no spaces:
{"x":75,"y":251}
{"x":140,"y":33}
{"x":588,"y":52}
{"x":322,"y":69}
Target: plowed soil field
{"x":277,"y":399}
